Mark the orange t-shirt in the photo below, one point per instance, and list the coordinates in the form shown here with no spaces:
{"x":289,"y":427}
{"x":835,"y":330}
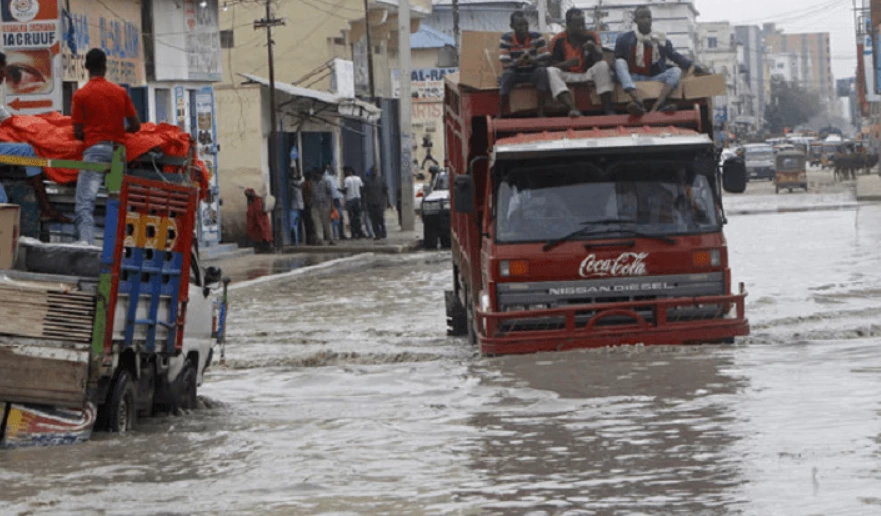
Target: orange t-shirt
{"x":102,"y":107}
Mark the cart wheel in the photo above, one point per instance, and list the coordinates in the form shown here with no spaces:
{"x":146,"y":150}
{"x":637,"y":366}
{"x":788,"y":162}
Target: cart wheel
{"x":121,"y":406}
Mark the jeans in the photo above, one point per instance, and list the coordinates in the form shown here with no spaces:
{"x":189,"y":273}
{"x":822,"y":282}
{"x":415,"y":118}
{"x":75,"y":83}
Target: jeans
{"x":354,"y":208}
{"x":670,"y":77}
{"x":295,"y":225}
{"x":87,"y":185}
{"x":339,"y":225}
{"x":511,"y":77}
{"x":377,"y":218}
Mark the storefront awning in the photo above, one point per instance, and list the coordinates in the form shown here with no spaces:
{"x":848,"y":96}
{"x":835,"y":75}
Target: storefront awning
{"x":346,"y":107}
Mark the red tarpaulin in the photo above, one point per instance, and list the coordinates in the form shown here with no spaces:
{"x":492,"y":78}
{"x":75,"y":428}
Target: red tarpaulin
{"x":51,"y":136}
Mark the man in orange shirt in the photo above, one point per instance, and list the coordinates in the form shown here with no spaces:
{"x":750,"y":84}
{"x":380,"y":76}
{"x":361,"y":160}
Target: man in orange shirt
{"x":577,"y":57}
{"x":101,"y":111}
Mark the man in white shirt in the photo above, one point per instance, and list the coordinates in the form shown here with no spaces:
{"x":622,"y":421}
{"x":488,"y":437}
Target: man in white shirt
{"x":352,"y":186}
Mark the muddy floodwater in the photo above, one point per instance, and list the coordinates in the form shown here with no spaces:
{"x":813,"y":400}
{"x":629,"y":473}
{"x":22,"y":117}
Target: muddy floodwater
{"x":341,"y":394}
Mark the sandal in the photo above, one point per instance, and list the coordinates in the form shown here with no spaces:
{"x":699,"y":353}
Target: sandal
{"x":635,"y":109}
{"x":667,"y":108}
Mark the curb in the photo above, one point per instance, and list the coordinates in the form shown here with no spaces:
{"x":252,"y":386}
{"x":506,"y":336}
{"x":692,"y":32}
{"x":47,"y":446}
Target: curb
{"x":793,"y":209}
{"x":299,"y":272}
{"x":337,"y":249}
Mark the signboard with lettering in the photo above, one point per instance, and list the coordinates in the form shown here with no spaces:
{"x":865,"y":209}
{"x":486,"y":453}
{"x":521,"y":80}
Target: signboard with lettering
{"x":206,"y":137}
{"x":117,"y":32}
{"x":426,"y":84}
{"x":187,"y":40}
{"x":31,"y":32}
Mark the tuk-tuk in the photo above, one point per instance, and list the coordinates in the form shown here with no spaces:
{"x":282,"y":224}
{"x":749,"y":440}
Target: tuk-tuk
{"x":791,"y":171}
{"x":816,"y":153}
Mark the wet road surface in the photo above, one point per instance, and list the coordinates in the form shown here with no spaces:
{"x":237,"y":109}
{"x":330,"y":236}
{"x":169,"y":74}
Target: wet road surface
{"x":341,"y":394}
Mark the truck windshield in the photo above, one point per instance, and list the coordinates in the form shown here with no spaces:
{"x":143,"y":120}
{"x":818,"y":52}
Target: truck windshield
{"x":655,"y":198}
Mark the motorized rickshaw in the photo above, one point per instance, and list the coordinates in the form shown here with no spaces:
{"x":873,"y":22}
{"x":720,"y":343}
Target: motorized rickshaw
{"x":816,"y":153}
{"x":791,"y":172}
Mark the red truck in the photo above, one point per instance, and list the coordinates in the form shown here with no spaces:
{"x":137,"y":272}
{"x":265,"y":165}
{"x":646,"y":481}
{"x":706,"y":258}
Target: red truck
{"x":590,"y":231}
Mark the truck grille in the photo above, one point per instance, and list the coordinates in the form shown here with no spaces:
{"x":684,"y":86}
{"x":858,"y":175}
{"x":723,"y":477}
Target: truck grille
{"x":517,"y":297}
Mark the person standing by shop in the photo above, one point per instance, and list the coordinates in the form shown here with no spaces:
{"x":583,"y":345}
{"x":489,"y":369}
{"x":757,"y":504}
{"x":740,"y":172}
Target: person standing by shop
{"x":376,"y":196}
{"x":102,"y":113}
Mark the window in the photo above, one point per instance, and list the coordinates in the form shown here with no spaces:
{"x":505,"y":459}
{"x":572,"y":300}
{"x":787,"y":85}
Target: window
{"x":712,"y":42}
{"x":227,"y":39}
{"x":163,"y":106}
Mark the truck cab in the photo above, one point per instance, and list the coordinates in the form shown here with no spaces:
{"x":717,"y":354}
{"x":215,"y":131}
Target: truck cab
{"x":588,"y":232}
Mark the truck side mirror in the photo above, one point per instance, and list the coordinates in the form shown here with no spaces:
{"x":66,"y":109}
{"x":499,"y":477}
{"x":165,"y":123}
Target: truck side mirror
{"x":464,"y":202}
{"x":734,"y":175}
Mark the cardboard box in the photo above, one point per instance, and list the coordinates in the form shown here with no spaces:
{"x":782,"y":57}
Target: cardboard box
{"x":9,"y":231}
{"x":479,"y":65}
{"x":705,"y":86}
{"x":648,"y":90}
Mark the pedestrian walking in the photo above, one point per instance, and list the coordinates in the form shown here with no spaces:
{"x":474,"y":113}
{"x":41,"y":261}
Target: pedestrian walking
{"x":375,"y":194}
{"x":322,"y":204}
{"x":297,"y":204}
{"x":339,"y":223}
{"x":352,"y":186}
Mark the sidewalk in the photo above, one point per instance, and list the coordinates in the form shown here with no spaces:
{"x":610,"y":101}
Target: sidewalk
{"x":245,"y":265}
{"x":396,"y":241}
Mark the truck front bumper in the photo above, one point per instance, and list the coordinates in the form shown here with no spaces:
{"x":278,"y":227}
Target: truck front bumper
{"x":611,"y":324}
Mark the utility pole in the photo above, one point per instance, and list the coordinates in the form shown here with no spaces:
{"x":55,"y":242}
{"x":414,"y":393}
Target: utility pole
{"x":369,"y":51}
{"x":275,"y":178}
{"x":404,"y":113}
{"x":598,"y":15}
{"x":456,"y":26}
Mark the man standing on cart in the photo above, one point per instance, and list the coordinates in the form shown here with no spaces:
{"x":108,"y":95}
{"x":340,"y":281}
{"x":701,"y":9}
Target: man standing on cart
{"x":102,"y":113}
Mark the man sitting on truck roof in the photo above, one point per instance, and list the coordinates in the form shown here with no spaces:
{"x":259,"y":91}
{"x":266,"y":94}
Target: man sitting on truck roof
{"x":576,"y":57}
{"x":642,"y":55}
{"x":523,"y":54}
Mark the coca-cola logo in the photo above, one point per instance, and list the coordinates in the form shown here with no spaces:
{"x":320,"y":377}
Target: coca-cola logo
{"x":626,"y":264}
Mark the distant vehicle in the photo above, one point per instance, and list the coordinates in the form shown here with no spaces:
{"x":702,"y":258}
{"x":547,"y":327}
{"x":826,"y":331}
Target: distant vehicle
{"x":790,"y":171}
{"x":759,"y":159}
{"x":436,"y":212}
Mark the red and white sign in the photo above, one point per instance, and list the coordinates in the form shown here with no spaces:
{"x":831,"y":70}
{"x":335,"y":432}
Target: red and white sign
{"x":31,"y":32}
{"x":626,"y":264}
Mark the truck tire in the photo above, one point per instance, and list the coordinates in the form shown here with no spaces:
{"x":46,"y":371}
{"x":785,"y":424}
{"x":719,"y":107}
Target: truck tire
{"x":429,"y":240}
{"x":457,"y":319}
{"x":188,"y":386}
{"x":121,"y":407}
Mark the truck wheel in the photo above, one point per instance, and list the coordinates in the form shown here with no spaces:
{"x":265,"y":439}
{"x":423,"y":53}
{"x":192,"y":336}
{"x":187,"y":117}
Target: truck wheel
{"x":188,"y":386}
{"x":121,"y":409}
{"x":429,"y":240}
{"x":471,"y":321}
{"x":457,"y":319}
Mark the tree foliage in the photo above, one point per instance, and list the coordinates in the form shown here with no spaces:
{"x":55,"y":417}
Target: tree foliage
{"x":790,"y":106}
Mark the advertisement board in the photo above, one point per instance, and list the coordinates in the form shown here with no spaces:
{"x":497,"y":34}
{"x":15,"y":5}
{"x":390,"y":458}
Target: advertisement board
{"x":31,"y":32}
{"x":426,"y":84}
{"x":206,"y":138}
{"x":118,"y":33}
{"x":187,"y":40}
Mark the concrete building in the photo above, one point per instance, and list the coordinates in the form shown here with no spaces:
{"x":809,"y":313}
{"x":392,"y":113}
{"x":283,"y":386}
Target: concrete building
{"x":167,"y":53}
{"x":481,"y":15}
{"x":789,"y":67}
{"x":813,"y":53}
{"x":676,"y":18}
{"x":752,"y":64}
{"x":321,"y":68}
{"x":717,"y":50}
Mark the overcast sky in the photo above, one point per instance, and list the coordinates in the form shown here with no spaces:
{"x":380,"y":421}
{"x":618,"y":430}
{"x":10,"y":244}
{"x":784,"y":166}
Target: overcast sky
{"x":833,"y":16}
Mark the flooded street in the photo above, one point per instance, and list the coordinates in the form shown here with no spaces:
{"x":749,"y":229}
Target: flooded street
{"x":341,"y":394}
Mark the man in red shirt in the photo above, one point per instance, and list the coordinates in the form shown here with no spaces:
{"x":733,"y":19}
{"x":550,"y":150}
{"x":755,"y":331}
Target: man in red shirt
{"x":577,"y":57}
{"x":101,"y":111}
